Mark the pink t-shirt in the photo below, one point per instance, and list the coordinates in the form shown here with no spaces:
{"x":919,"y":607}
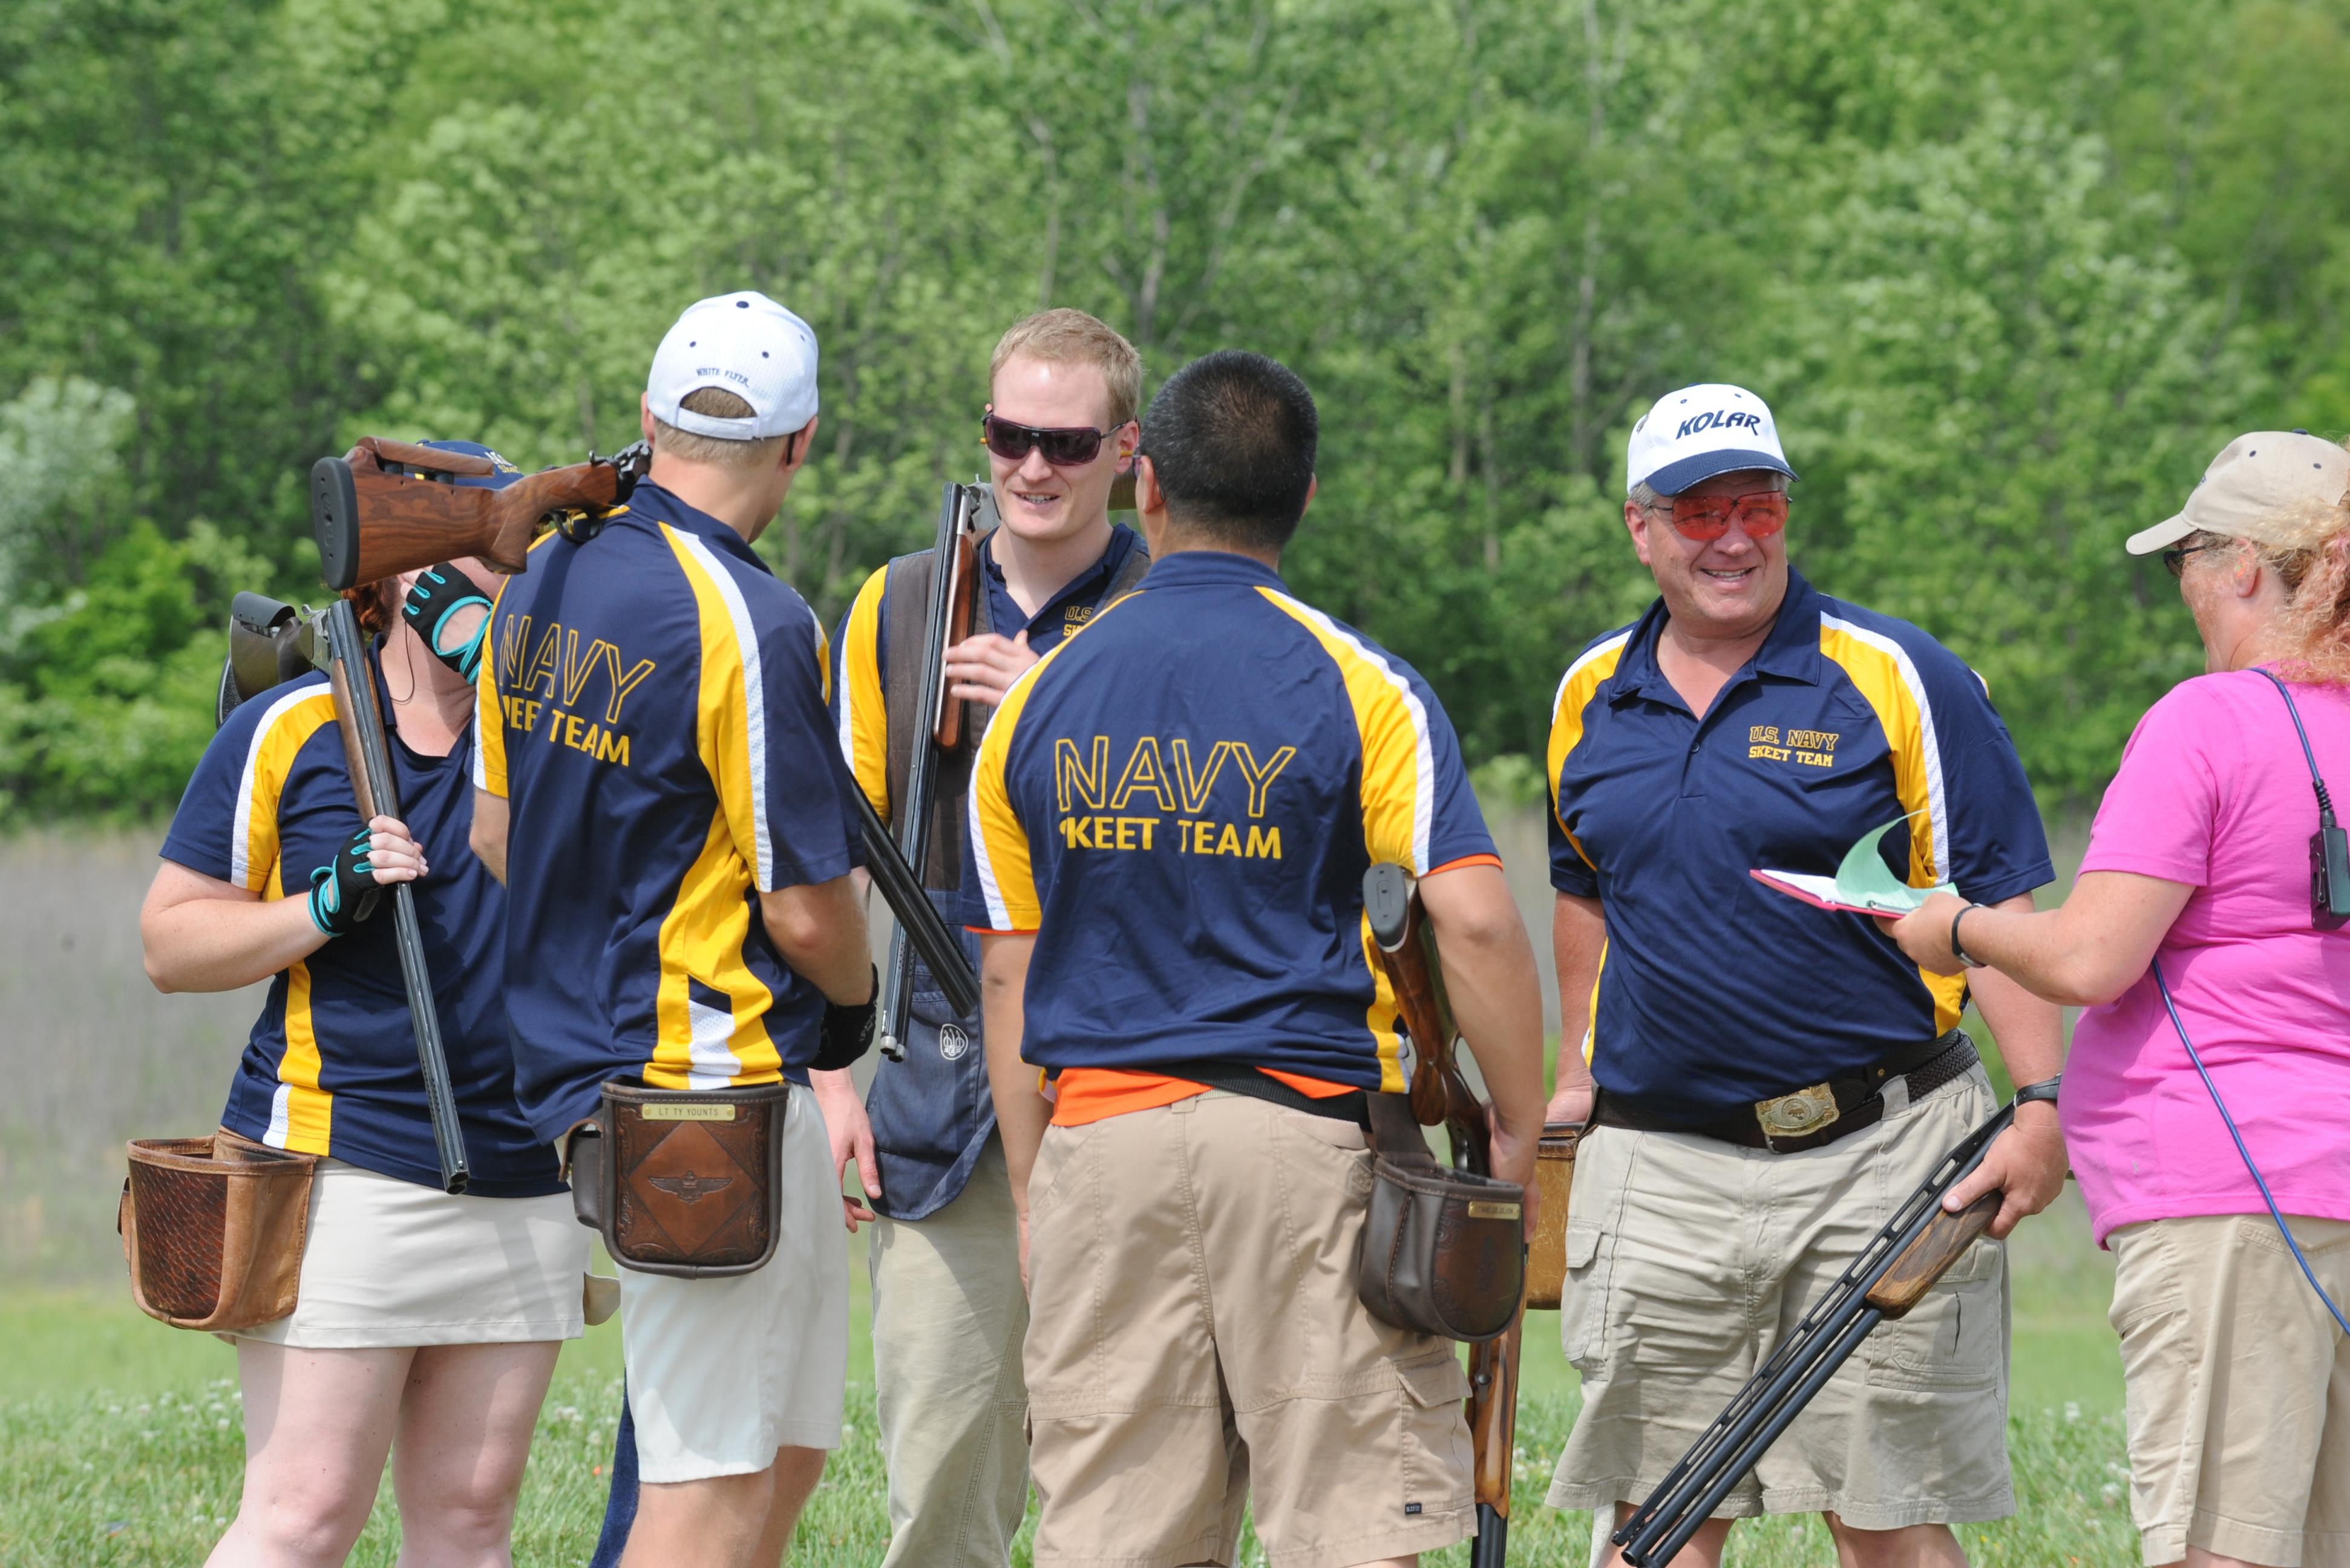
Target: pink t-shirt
{"x":2213,"y":792}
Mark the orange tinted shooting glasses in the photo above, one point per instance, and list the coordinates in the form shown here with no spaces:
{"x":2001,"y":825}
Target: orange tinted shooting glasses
{"x":1706,"y":518}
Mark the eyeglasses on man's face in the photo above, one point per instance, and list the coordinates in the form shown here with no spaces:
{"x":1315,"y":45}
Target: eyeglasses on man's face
{"x":1705,"y":518}
{"x":1063,"y":447}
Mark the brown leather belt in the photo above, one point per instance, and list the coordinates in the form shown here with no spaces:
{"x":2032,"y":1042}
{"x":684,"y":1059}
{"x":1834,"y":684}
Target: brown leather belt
{"x":1815,"y":1116}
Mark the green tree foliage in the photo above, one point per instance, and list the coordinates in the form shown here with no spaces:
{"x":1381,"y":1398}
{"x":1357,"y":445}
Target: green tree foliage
{"x":2010,"y":271}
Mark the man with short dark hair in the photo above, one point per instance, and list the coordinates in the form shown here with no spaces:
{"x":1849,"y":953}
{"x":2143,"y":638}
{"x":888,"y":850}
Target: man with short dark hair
{"x":1170,"y":820}
{"x":1774,"y":1079}
{"x":657,"y":786}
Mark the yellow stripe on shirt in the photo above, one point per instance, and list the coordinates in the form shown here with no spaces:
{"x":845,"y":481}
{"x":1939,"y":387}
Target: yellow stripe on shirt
{"x":864,"y":715}
{"x":1399,"y":783}
{"x":292,"y":719}
{"x":1399,"y":787}
{"x":701,"y":936}
{"x":1575,"y":690}
{"x":1883,"y":674}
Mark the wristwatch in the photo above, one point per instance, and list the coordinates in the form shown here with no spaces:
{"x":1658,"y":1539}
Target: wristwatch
{"x":1957,"y":951}
{"x":2043,"y":1090}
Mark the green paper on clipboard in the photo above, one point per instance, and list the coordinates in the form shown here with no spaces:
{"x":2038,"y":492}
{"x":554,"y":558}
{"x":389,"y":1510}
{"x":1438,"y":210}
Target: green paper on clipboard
{"x":1863,"y":884}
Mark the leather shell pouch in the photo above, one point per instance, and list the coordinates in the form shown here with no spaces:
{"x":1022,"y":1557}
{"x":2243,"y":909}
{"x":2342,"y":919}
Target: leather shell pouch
{"x":1555,"y":1179}
{"x":683,"y":1182}
{"x":213,"y":1228}
{"x":1443,"y":1250}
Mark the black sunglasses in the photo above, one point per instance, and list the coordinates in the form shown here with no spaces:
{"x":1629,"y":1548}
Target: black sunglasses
{"x":2174,"y":558}
{"x":1070,"y":447}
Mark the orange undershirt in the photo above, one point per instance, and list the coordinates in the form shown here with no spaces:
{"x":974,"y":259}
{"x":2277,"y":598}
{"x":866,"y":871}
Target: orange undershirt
{"x":1083,"y":1095}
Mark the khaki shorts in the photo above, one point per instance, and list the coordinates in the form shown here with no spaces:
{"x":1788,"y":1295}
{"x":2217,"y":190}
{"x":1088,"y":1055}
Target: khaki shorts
{"x":2237,"y":1387}
{"x":722,"y":1372}
{"x":1195,"y":1342}
{"x":388,"y":1263}
{"x":1689,"y":1259}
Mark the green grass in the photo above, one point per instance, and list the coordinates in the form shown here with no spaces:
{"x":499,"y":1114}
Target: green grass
{"x":104,"y":1478}
{"x":121,"y":1442}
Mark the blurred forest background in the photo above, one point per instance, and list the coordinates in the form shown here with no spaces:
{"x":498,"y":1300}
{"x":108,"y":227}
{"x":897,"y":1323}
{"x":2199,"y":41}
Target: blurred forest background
{"x":2009,"y":270}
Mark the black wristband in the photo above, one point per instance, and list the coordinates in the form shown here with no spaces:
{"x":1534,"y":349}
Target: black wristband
{"x":1957,"y":951}
{"x":847,"y":1033}
{"x":2043,"y":1090}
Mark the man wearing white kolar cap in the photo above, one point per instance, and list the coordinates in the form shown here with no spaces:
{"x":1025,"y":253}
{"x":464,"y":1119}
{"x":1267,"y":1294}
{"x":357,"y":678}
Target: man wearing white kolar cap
{"x":1771,"y":1080}
{"x":658,"y":787}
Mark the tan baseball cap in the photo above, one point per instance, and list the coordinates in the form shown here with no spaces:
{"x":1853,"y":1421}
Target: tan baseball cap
{"x":2262,"y":487}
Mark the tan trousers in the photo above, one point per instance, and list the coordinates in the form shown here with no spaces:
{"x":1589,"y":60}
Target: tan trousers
{"x":947,"y":1318}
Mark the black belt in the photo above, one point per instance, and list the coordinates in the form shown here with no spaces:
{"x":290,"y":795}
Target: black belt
{"x":1814,"y":1117}
{"x":1239,"y":1078}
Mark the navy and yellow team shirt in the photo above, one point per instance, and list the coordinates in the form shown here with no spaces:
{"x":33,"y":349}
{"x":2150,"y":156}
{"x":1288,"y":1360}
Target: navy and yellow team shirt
{"x":330,"y":1066}
{"x":863,"y":655}
{"x":1715,"y":991}
{"x":653,"y":709}
{"x":1182,"y":801}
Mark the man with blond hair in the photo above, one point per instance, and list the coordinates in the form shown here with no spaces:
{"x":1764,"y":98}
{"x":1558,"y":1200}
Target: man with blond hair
{"x":948,"y":1310}
{"x":657,"y":786}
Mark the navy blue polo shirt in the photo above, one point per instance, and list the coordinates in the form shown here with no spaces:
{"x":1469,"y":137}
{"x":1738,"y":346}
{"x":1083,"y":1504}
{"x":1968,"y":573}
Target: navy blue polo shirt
{"x":1180,"y":803}
{"x":330,"y":1065}
{"x":653,"y":711}
{"x":1714,"y":991}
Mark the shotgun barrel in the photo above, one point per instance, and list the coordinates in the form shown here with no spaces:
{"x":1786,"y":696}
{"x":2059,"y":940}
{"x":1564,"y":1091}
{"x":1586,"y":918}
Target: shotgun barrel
{"x":953,"y":571}
{"x":368,"y":754}
{"x":917,"y":919}
{"x":1892,"y":1275}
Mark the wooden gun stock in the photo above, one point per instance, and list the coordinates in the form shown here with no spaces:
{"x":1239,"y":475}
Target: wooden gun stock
{"x":1440,"y":1093}
{"x":1924,"y":1261}
{"x":373,"y":524}
{"x":962,"y":581}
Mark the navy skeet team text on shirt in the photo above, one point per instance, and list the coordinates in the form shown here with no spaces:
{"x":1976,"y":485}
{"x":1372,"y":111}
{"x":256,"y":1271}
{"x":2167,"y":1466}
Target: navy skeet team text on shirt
{"x":1715,"y":991}
{"x":653,"y":710}
{"x":330,"y":1067}
{"x":1181,"y":802}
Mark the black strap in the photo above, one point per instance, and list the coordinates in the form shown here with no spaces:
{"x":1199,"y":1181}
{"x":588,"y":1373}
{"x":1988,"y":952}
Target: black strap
{"x":2325,"y":803}
{"x":1239,"y":1078}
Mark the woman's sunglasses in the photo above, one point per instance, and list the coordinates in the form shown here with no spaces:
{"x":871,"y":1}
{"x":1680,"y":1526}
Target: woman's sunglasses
{"x":1063,"y":447}
{"x":1705,"y":518}
{"x":2174,"y":559}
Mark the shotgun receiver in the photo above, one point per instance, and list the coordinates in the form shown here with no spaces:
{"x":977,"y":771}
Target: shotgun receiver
{"x":1399,"y":932}
{"x":379,"y":510}
{"x":1892,"y":1275}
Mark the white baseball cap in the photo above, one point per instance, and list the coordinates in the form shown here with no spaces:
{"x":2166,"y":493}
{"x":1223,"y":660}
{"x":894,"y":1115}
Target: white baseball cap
{"x":747,"y":344}
{"x":1692,"y":435}
{"x":2263,"y":486}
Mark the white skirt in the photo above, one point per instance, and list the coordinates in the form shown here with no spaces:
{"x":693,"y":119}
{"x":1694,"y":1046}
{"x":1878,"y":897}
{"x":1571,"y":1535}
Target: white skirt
{"x":391,"y":1263}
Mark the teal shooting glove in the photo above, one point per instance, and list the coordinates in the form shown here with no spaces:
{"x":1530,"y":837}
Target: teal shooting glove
{"x":344,"y":891}
{"x":437,"y":596}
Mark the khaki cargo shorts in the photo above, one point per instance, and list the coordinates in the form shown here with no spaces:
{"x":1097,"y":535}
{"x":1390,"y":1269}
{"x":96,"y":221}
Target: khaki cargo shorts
{"x":1195,"y":1342}
{"x":2237,"y":1387}
{"x":1689,"y":1259}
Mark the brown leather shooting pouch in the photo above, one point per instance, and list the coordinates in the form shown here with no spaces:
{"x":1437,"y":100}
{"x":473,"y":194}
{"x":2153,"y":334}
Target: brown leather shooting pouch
{"x":1443,"y":1250}
{"x":684,"y":1182}
{"x":1554,"y":1181}
{"x":213,"y":1228}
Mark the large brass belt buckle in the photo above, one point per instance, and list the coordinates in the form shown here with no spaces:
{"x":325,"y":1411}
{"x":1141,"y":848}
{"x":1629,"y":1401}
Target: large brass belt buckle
{"x":1792,"y":1115}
